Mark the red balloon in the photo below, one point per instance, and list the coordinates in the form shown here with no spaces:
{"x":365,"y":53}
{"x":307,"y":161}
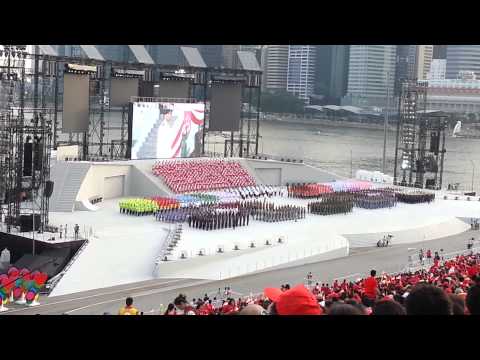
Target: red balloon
{"x":10,"y":284}
{"x":24,"y":271}
{"x":17,"y":293}
{"x":30,"y":296}
{"x":40,"y":278}
{"x":12,"y":271}
{"x":4,"y":285}
{"x":44,"y":278}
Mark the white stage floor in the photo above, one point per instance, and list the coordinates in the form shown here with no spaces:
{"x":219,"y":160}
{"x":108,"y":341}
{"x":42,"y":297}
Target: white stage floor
{"x":125,"y":247}
{"x":122,"y":251}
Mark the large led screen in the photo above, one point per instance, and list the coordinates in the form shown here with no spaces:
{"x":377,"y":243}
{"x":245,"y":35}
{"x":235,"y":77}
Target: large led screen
{"x":75,"y":103}
{"x":166,"y":130}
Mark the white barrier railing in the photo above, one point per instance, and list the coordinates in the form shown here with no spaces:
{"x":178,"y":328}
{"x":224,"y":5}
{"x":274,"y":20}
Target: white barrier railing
{"x":427,"y":263}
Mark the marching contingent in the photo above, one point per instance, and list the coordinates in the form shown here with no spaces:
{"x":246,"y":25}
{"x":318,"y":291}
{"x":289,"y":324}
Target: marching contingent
{"x":260,"y":191}
{"x":273,"y":213}
{"x":330,"y":207}
{"x":415,"y":197}
{"x":235,"y":207}
{"x":138,"y":207}
{"x":375,"y":199}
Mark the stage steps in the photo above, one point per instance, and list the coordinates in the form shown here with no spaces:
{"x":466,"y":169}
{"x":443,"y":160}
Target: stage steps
{"x":68,"y":178}
{"x":148,"y":150}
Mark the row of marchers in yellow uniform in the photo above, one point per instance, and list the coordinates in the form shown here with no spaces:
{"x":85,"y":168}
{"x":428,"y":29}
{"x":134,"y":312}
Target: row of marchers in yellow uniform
{"x":138,"y":206}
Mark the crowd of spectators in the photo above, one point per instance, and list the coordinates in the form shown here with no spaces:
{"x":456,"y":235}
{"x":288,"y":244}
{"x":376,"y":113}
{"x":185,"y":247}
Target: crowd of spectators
{"x":451,"y":287}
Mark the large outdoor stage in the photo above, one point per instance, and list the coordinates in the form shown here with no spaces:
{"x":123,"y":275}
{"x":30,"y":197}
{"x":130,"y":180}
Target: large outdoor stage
{"x":127,"y":248}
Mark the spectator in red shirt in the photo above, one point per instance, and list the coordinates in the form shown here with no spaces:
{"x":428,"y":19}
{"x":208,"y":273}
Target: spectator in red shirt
{"x":182,"y":305}
{"x":370,"y":286}
{"x":326,"y":290}
{"x":228,"y":307}
{"x":206,"y":308}
{"x":170,"y":310}
{"x":472,"y":271}
{"x":210,"y":307}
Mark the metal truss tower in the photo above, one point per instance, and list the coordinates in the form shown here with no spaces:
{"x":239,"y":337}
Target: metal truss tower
{"x":420,"y":140}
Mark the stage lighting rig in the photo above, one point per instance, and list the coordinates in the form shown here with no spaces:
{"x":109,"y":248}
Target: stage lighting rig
{"x":176,"y":75}
{"x":80,"y":69}
{"x":228,"y":79}
{"x":126,"y":73}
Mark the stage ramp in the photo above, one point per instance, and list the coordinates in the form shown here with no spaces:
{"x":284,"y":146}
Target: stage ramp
{"x":68,"y":178}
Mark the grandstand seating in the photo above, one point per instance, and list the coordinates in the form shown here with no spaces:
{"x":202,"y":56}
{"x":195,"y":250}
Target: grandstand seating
{"x":453,"y":276}
{"x":201,"y":175}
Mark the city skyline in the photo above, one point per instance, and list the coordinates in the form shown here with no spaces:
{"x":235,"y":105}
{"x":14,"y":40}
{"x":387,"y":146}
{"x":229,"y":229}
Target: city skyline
{"x":356,"y":75}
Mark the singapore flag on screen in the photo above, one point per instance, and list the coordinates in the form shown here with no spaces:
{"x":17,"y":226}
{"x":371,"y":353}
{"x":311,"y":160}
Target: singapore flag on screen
{"x":166,"y":130}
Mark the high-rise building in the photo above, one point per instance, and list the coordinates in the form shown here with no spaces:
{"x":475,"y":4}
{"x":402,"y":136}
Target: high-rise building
{"x":331,"y":73}
{"x":413,"y":62}
{"x":323,"y":70}
{"x":437,"y":69}
{"x":440,"y":52}
{"x":405,"y":64}
{"x":462,"y":57}
{"x":423,"y":61}
{"x":275,"y":67}
{"x":339,"y":79}
{"x":371,"y":71}
{"x":301,"y":71}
